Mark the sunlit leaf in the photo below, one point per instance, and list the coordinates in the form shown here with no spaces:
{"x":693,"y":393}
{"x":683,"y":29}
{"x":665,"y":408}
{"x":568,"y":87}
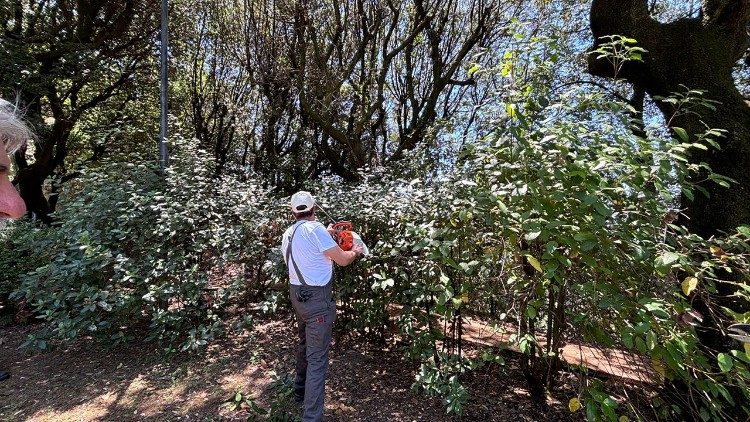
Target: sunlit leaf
{"x":682,"y":133}
{"x":688,"y":285}
{"x":534,"y":263}
{"x":574,"y":404}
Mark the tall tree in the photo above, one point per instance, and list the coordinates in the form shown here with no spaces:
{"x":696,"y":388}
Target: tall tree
{"x":213,"y":89}
{"x":65,"y":59}
{"x":380,"y":67}
{"x":291,"y":89}
{"x":696,"y":52}
{"x":357,"y":83}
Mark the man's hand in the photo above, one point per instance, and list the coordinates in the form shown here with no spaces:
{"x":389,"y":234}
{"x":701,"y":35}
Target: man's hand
{"x":330,"y":229}
{"x":342,"y":257}
{"x":357,"y":249}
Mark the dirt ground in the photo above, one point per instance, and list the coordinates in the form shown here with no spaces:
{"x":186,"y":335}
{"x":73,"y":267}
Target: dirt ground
{"x":84,"y":381}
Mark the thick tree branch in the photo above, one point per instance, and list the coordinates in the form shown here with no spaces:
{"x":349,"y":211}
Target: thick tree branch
{"x":617,"y":16}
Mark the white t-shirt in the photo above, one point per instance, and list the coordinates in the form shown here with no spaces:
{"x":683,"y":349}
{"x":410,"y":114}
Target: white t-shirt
{"x":310,"y":241}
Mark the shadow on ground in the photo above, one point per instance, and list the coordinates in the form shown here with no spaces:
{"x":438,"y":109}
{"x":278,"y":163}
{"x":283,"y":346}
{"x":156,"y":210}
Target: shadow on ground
{"x":84,"y":381}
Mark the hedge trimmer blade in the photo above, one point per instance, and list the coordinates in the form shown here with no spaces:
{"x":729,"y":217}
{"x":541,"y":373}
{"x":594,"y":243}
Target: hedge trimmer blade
{"x":740,"y":332}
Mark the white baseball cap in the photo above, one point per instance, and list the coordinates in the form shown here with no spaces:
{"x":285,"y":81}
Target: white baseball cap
{"x":302,"y":201}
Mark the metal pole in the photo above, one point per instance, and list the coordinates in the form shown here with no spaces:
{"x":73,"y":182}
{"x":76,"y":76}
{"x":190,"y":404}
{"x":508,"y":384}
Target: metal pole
{"x":163,"y":153}
{"x":324,"y":212}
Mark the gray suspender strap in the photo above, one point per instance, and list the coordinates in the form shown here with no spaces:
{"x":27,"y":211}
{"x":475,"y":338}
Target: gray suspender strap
{"x":290,"y":256}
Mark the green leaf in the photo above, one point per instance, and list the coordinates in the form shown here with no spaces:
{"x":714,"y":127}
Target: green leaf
{"x":531,"y":312}
{"x":534,"y":263}
{"x":655,"y":306}
{"x":448,"y":260}
{"x":664,"y":261}
{"x":525,"y":343}
{"x":722,"y":183}
{"x":532,"y":235}
{"x":601,"y":209}
{"x":688,"y":285}
{"x":725,"y":362}
{"x":682,"y":133}
{"x":688,"y":193}
{"x":588,"y":245}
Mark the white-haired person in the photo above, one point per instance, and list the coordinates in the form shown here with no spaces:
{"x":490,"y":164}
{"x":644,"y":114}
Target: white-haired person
{"x":13,"y":134}
{"x":309,"y":252}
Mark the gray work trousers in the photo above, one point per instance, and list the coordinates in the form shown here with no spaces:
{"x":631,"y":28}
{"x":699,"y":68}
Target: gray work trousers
{"x":315,"y":317}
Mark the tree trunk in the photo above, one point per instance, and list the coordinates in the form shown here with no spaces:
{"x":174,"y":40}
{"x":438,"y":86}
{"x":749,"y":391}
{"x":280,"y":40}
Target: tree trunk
{"x":50,"y":155}
{"x":695,"y":54}
{"x":69,"y":51}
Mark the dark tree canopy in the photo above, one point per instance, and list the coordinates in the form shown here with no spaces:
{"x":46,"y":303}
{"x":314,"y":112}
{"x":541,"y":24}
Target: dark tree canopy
{"x":64,"y":60}
{"x":697,"y":53}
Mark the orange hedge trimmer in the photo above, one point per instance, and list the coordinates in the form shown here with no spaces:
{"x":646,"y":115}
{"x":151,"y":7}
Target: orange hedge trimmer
{"x":342,"y":232}
{"x":343,"y":235}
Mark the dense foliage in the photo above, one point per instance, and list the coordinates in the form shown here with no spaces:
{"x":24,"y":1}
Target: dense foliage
{"x":490,"y":182}
{"x":135,"y":247}
{"x":556,"y":229}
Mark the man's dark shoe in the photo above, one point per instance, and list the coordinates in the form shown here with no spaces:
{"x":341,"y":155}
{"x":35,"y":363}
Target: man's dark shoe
{"x":4,"y":375}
